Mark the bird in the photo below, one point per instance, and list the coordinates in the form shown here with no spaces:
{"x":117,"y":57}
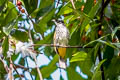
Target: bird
{"x":61,"y":37}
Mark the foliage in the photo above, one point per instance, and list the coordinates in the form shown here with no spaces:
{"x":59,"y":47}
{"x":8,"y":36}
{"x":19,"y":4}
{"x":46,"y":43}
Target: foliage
{"x":21,"y":32}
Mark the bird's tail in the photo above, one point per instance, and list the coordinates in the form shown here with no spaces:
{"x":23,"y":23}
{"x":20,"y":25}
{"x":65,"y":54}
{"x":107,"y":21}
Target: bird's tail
{"x":62,"y":63}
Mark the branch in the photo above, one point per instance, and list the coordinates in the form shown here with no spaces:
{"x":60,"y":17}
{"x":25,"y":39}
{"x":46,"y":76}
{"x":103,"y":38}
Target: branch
{"x":72,"y":4}
{"x":103,"y":7}
{"x":10,"y":73}
{"x":53,"y":45}
{"x":104,"y":4}
{"x":38,"y":70}
{"x":15,"y":69}
{"x":20,"y":66}
{"x":40,"y":75}
{"x":58,"y":3}
{"x":5,"y":66}
{"x":28,"y":67}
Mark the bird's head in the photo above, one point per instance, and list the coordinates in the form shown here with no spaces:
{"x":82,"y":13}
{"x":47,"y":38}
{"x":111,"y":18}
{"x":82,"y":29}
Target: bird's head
{"x":57,"y":22}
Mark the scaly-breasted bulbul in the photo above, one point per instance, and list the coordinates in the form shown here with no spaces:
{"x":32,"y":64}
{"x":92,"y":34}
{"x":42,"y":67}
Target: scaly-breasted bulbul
{"x":61,"y":37}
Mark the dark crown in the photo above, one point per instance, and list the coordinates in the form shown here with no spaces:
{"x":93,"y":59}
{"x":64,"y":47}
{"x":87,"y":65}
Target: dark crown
{"x":59,"y":21}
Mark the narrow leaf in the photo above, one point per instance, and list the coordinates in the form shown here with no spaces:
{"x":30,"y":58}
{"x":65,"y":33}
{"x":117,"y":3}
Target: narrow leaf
{"x":107,"y":43}
{"x":79,"y":56}
{"x":92,"y":13}
{"x":10,"y":14}
{"x":115,"y":30}
{"x":51,"y":67}
{"x":7,"y":29}
{"x":73,"y":75}
{"x":20,"y":35}
{"x":5,"y":46}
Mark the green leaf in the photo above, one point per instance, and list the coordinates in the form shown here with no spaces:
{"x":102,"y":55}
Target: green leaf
{"x":75,"y":37}
{"x":91,"y":42}
{"x":79,"y":56}
{"x":2,"y":4}
{"x":95,"y":51}
{"x":116,"y":44}
{"x":107,"y":43}
{"x":87,"y":64}
{"x":68,"y":10}
{"x":61,"y":78}
{"x":97,"y":76}
{"x":30,"y":5}
{"x":113,"y":69}
{"x":44,"y":7}
{"x":2,"y":71}
{"x":115,"y":30}
{"x":79,"y":4}
{"x":22,"y":61}
{"x":40,"y":12}
{"x":14,"y":57}
{"x":73,"y":75}
{"x":68,"y":18}
{"x":16,"y":76}
{"x":47,"y":17}
{"x":51,"y":67}
{"x":91,"y":14}
{"x":5,"y":46}
{"x":65,"y":9}
{"x":20,"y":35}
{"x":108,"y":55}
{"x":39,"y":29}
{"x":99,"y":65}
{"x":2,"y":17}
{"x":1,"y":34}
{"x":43,"y":22}
{"x":45,"y":3}
{"x":7,"y":29}
{"x":10,"y":14}
{"x":101,"y":41}
{"x":97,"y":73}
{"x":88,"y":6}
{"x":47,"y":39}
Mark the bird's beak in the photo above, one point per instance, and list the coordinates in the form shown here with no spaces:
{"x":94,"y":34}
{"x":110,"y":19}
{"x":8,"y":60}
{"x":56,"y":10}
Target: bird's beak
{"x":54,"y":21}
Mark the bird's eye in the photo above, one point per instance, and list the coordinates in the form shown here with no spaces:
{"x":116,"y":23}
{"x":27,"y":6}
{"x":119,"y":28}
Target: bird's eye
{"x":62,"y":22}
{"x":59,"y":21}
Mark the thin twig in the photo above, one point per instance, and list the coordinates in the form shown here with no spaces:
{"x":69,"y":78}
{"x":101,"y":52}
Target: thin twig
{"x":29,"y":32}
{"x":10,"y":74}
{"x":31,"y":41}
{"x":58,"y":3}
{"x":20,"y":66}
{"x":72,"y":4}
{"x":38,"y":70}
{"x":28,"y":67}
{"x":30,"y":18}
{"x":15,"y":69}
{"x":5,"y":66}
{"x":53,"y":45}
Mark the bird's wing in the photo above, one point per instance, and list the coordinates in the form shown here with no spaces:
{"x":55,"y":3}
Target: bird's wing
{"x":59,"y":50}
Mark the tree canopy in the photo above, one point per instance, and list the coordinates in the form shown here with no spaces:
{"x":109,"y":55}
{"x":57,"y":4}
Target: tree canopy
{"x":26,"y":31}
